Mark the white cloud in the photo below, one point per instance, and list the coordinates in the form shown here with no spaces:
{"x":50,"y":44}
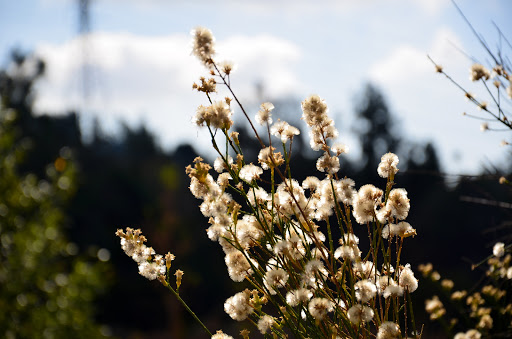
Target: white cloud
{"x":137,"y":78}
{"x":433,"y":6}
{"x":263,"y":59}
{"x":430,"y":107}
{"x":406,"y":63}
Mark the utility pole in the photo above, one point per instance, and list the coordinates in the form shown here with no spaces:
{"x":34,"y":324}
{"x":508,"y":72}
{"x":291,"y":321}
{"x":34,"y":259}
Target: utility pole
{"x":84,"y":28}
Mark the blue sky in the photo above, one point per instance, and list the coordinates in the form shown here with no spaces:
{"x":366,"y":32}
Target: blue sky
{"x":143,"y":70}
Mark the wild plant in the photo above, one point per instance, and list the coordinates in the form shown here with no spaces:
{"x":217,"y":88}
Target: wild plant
{"x":296,"y":245}
{"x":484,"y":310}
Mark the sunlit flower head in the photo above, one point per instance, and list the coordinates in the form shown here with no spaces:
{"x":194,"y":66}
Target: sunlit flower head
{"x":265,"y":323}
{"x":151,"y":270}
{"x":388,"y":330}
{"x":359,"y":314}
{"x":365,"y":290}
{"x":203,"y":44}
{"x":295,"y":297}
{"x":218,"y":115}
{"x":275,"y":278}
{"x":284,"y":130}
{"x":485,"y":323}
{"x":398,"y":203}
{"x":314,"y":110}
{"x":319,"y":307}
{"x":220,"y":164}
{"x":387,"y":165}
{"x":238,"y":307}
{"x":227,"y":67}
{"x":434,"y":307}
{"x":470,"y":334}
{"x":365,"y":269}
{"x":250,"y":172}
{"x":264,"y":115}
{"x":347,"y":253}
{"x":365,"y":203}
{"x":311,"y":183}
{"x":327,"y":163}
{"x":499,"y":249}
{"x":221,"y":335}
{"x":478,"y":71}
{"x":270,"y":159}
{"x":402,"y":229}
{"x":238,"y":265}
{"x":339,"y":148}
{"x":407,"y":279}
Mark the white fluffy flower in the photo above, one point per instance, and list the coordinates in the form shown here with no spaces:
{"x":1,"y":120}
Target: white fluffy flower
{"x":221,"y":335}
{"x":471,"y":334}
{"x":284,"y":130}
{"x":314,"y":110}
{"x":295,"y":297}
{"x":319,"y":307}
{"x":402,"y":229}
{"x":393,"y":291}
{"x":365,"y":202}
{"x":499,"y":249}
{"x":347,"y":252}
{"x":387,"y":165}
{"x":264,"y":116}
{"x":151,"y":270}
{"x":257,"y":196}
{"x":275,"y":278}
{"x":407,"y":279}
{"x":238,"y":266}
{"x":365,"y":290}
{"x":142,"y":253}
{"x":398,"y":203}
{"x":339,"y":148}
{"x":250,"y":172}
{"x":238,"y":307}
{"x":388,"y":330}
{"x":203,"y":44}
{"x":359,"y":313}
{"x":478,"y":71}
{"x":218,"y":115}
{"x":220,"y":165}
{"x":327,"y":163}
{"x":265,"y":323}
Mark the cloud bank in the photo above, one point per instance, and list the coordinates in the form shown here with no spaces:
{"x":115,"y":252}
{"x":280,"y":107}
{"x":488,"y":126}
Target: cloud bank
{"x":137,"y":78}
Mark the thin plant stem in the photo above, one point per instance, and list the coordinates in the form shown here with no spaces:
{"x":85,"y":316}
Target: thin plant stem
{"x":177,"y":295}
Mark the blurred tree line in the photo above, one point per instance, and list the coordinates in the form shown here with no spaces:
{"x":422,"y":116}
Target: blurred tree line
{"x":47,"y":287}
{"x":129,"y":181}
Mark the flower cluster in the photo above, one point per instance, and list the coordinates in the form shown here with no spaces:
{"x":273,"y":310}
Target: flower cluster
{"x":487,"y":309}
{"x":294,"y":242}
{"x":280,"y":237}
{"x":217,"y":115}
{"x":491,"y":301}
{"x":151,"y":265}
{"x":496,"y":105}
{"x":204,"y":44}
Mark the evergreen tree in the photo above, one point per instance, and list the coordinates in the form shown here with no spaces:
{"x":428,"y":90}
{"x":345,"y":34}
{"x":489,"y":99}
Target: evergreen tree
{"x":375,"y":128}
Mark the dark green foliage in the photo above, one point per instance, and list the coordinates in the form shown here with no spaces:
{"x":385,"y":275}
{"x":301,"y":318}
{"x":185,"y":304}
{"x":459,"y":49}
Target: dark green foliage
{"x":46,"y":290}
